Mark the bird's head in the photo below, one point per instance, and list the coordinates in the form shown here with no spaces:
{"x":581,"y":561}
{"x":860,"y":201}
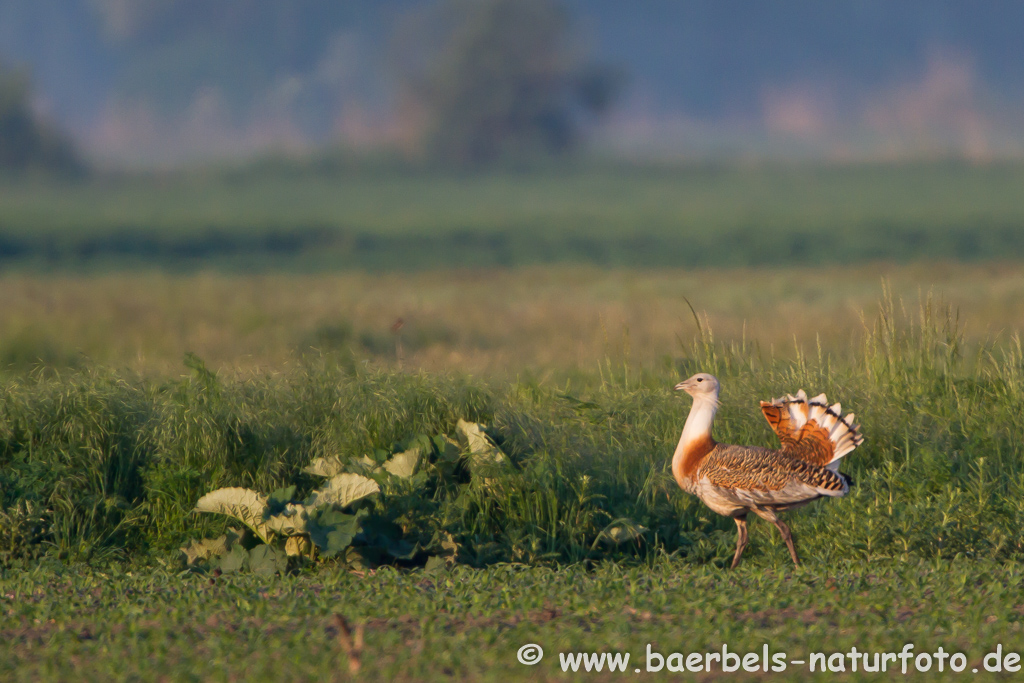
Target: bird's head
{"x":700,"y":386}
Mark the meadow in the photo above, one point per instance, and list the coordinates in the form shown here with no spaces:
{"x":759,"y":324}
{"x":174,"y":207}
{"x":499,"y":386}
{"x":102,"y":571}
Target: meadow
{"x":102,"y":468}
{"x":135,"y":382}
{"x":322,"y":216}
{"x":493,"y":323}
{"x":467,"y":624}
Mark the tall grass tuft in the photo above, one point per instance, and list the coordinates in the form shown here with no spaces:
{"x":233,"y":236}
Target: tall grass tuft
{"x":97,"y":463}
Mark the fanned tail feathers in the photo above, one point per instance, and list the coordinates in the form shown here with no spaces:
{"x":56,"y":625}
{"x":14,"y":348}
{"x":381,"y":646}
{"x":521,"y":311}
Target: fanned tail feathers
{"x":812,"y":429}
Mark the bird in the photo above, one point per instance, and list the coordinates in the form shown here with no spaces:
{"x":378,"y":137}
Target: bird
{"x":736,"y":480}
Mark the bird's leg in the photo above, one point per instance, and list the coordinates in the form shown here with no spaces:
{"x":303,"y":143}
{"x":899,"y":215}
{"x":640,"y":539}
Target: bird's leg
{"x":787,"y":536}
{"x":741,"y":539}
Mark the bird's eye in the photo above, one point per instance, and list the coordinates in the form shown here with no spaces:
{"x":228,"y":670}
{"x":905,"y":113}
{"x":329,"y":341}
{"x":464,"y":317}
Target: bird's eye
{"x":700,"y":379}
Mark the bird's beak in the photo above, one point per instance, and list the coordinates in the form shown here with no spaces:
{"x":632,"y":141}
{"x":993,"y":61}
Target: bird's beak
{"x":681,"y":386}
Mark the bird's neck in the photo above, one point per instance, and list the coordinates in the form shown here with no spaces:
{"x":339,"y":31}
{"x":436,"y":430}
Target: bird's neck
{"x":696,"y":441}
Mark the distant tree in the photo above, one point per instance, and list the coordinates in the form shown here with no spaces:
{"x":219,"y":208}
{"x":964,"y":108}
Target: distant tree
{"x":503,"y":80}
{"x":26,"y":141}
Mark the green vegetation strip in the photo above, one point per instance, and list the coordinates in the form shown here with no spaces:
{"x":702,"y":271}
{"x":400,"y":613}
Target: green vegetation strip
{"x":311,"y":217}
{"x":98,"y":465}
{"x":69,"y":623}
{"x":573,"y":536}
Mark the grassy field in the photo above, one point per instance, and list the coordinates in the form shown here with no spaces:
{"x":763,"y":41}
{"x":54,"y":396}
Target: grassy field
{"x":495,"y":323}
{"x":112,"y":463}
{"x":700,"y":216}
{"x":127,"y":393}
{"x":96,"y":625}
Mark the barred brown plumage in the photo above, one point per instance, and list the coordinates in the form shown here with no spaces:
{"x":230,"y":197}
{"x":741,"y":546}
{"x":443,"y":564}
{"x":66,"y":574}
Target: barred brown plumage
{"x":735,"y":480}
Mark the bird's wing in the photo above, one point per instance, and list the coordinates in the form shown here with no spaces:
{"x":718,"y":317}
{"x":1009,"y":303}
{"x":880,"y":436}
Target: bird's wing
{"x":760,"y":476}
{"x":810,"y":429}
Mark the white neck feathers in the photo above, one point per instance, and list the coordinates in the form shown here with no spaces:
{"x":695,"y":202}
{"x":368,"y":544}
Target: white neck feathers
{"x":696,"y":439}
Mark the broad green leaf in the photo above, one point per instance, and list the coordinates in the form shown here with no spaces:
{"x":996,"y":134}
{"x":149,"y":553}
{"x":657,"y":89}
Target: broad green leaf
{"x":333,"y":466}
{"x":404,"y":464}
{"x":365,"y":465}
{"x":485,"y":458}
{"x":332,"y":531}
{"x":267,"y":561}
{"x":245,"y":505}
{"x":292,"y":521}
{"x":420,"y":441}
{"x":355,"y":559}
{"x":342,"y":490}
{"x":325,"y":467}
{"x":481,"y":449}
{"x":379,"y":535}
{"x":436,"y":564}
{"x":234,"y":560}
{"x":298,"y":546}
{"x":450,"y":547}
{"x":477,"y":441}
{"x":447,"y":449}
{"x":209,"y":548}
{"x":620,"y":531}
{"x":279,"y":499}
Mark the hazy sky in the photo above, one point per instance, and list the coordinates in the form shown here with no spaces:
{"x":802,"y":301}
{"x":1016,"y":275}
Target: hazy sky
{"x":156,"y":79}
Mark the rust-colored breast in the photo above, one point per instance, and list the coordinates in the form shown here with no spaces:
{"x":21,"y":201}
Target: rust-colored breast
{"x":694,"y":453}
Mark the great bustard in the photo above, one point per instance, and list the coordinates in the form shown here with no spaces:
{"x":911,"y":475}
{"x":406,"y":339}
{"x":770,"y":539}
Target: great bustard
{"x":735,"y":480}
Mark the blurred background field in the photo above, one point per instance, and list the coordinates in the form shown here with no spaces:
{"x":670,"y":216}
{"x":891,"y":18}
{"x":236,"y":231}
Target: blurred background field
{"x":498,"y":323}
{"x":302,"y":216}
{"x":496,"y":271}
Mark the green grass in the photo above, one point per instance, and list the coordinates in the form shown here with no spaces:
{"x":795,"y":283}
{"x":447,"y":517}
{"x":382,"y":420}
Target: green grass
{"x":99,"y":470}
{"x":112,"y":464}
{"x":86,"y":624}
{"x":611,"y":215}
{"x":499,"y":324}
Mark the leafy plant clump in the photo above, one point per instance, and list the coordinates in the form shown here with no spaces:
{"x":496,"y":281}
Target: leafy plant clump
{"x":340,"y":519}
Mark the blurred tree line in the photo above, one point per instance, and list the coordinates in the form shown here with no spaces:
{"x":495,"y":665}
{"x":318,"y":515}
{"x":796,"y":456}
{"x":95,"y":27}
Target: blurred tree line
{"x":317,"y":69}
{"x":487,"y":81}
{"x":27,"y":142}
{"x":501,"y":80}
